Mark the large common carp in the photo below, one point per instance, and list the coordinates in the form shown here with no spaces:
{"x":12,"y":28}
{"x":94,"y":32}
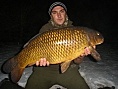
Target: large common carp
{"x":58,"y":46}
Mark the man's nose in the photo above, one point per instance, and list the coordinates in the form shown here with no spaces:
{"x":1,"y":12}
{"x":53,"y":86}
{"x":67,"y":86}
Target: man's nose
{"x":58,"y":15}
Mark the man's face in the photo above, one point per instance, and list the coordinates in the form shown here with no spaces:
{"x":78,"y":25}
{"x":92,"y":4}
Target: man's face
{"x":58,"y":15}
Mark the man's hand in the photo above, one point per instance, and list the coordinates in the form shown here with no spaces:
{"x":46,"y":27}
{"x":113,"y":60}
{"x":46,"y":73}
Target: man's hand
{"x":86,"y":51}
{"x":81,"y":57}
{"x":42,"y":62}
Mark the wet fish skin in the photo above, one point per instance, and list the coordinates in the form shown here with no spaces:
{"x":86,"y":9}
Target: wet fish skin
{"x":57,"y":46}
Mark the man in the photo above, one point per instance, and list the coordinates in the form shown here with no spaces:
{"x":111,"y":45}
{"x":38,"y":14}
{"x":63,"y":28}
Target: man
{"x":45,"y":75}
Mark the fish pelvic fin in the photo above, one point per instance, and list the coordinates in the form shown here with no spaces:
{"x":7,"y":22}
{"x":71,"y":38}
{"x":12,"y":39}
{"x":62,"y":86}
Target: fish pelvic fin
{"x":16,"y":74}
{"x":9,"y":65}
{"x":94,"y":53}
{"x":64,"y":66}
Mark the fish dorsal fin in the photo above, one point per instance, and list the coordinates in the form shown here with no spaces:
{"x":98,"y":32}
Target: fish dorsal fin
{"x":65,"y":65}
{"x":94,"y":53}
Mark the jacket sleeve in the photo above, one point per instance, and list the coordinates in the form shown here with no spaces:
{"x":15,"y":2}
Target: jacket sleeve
{"x":45,"y":28}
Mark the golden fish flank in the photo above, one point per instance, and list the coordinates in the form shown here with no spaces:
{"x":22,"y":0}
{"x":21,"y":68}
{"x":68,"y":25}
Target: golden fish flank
{"x":57,"y":49}
{"x":57,"y":46}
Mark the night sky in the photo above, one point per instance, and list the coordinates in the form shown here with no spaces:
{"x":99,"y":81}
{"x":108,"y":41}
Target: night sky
{"x":21,"y":20}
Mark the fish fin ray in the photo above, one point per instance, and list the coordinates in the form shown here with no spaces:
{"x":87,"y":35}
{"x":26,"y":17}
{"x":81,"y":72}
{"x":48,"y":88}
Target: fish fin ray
{"x":16,"y":74}
{"x":94,"y":53}
{"x":9,"y":65}
{"x":64,"y":66}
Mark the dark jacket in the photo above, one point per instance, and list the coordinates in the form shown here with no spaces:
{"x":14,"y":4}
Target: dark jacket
{"x":49,"y":26}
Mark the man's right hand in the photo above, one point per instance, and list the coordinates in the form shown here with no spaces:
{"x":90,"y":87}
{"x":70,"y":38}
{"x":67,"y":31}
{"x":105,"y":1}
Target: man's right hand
{"x":42,"y":62}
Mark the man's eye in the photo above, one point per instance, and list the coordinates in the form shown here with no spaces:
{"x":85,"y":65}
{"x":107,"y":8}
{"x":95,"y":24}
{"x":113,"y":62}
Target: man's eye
{"x":62,"y":11}
{"x":53,"y":12}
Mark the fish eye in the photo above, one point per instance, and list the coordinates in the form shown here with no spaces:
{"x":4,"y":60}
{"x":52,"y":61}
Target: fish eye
{"x":98,"y":34}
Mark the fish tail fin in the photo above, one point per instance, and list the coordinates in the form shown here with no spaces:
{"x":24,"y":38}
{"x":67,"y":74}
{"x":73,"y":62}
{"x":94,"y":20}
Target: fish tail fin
{"x":9,"y":65}
{"x":16,"y":74}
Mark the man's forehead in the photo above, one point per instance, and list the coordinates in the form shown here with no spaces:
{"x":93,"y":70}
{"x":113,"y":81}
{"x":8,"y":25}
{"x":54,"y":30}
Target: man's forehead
{"x":57,"y":8}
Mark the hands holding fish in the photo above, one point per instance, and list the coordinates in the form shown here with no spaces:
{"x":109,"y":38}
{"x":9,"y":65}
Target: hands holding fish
{"x":44,"y":62}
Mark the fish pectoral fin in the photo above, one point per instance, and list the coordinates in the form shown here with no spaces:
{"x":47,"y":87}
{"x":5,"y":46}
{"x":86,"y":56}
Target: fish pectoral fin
{"x":64,"y":66}
{"x":94,"y":53}
{"x":16,"y":74}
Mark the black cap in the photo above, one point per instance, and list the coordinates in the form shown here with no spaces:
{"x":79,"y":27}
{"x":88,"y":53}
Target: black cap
{"x":56,"y":4}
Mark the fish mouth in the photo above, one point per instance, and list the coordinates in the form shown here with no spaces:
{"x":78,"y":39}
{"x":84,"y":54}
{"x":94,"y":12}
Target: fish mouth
{"x":101,"y":41}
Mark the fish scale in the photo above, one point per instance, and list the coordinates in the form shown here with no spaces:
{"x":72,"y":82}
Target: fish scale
{"x":59,"y":46}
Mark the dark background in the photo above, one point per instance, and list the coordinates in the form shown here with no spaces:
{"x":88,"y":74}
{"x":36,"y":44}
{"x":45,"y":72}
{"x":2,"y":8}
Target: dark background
{"x":20,"y":20}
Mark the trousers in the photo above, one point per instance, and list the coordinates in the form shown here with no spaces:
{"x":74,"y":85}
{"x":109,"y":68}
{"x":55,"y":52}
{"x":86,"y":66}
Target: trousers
{"x":45,"y":77}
